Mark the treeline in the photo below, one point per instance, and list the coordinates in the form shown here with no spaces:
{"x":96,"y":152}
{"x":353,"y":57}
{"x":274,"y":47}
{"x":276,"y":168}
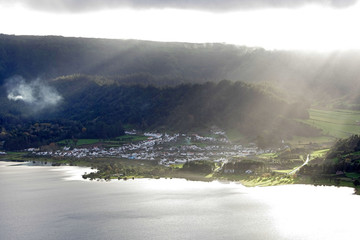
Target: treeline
{"x":202,"y":166}
{"x":27,"y":133}
{"x":117,"y":169}
{"x":114,"y":169}
{"x":245,"y":165}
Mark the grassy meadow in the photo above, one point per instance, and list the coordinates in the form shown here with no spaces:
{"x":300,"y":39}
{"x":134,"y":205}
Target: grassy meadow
{"x":336,"y":123}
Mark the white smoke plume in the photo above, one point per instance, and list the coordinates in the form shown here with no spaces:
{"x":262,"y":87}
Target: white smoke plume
{"x":36,"y":93}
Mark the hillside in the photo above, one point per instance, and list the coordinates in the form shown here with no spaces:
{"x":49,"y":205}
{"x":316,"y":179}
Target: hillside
{"x":95,"y":87}
{"x":327,"y":79}
{"x":51,"y":56}
{"x":339,"y":165}
{"x":89,"y":109}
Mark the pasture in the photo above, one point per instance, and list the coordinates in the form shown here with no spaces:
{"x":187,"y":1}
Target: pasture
{"x":337,"y":123}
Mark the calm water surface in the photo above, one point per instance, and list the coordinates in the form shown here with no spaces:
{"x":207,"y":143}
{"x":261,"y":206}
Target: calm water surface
{"x":43,"y":202}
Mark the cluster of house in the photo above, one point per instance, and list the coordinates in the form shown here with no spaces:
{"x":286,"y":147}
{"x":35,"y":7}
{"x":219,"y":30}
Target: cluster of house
{"x":165,"y":148}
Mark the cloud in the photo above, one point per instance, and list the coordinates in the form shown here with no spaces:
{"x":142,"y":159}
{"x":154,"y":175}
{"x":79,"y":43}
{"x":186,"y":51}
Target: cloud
{"x":36,"y":93}
{"x":206,"y":5}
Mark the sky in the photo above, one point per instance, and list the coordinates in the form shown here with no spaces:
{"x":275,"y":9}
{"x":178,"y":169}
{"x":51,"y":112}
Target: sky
{"x":318,"y":25}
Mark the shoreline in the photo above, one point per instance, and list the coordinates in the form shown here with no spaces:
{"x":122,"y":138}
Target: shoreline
{"x":244,"y":181}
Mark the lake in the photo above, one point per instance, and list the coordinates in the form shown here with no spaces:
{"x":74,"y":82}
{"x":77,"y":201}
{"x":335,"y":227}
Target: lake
{"x":44,"y":202}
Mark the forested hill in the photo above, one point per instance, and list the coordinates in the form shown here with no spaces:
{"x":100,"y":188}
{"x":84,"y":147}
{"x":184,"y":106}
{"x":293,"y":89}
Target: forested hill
{"x":52,"y":56}
{"x":184,"y":107}
{"x":92,"y":110}
{"x":314,"y":76}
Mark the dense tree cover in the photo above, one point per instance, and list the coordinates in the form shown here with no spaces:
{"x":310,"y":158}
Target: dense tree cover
{"x":29,"y":133}
{"x":114,"y":168}
{"x":111,"y":169}
{"x":100,"y":109}
{"x":199,"y":166}
{"x":247,"y":108}
{"x":307,"y":76}
{"x":342,"y":158}
{"x":51,"y":56}
{"x":345,"y":146}
{"x":241,"y":166}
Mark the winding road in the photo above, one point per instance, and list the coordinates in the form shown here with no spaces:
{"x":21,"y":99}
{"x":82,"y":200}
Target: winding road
{"x":298,"y":168}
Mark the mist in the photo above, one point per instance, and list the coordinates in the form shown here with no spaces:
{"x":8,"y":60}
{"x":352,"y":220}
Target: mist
{"x":36,"y":93}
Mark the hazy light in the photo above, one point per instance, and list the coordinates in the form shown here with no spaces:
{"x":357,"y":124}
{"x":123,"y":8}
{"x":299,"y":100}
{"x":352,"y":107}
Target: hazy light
{"x":72,"y":173}
{"x":309,"y":28}
{"x":300,"y":211}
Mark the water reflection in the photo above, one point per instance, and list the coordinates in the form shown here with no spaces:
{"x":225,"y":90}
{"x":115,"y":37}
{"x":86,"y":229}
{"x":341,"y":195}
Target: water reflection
{"x":71,"y":173}
{"x":52,"y":207}
{"x":309,"y":212}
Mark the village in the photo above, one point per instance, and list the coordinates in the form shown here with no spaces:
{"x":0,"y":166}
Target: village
{"x":166,"y":149}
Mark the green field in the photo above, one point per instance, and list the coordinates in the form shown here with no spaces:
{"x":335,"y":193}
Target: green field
{"x":335,"y":123}
{"x":79,"y":142}
{"x":319,"y":153}
{"x":131,"y":138}
{"x":13,"y":156}
{"x":298,"y":141}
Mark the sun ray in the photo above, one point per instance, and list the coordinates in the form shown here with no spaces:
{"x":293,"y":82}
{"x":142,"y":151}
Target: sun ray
{"x":308,"y":28}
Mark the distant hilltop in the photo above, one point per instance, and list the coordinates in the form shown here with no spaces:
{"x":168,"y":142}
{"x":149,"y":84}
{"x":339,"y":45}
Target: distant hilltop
{"x":314,"y":76}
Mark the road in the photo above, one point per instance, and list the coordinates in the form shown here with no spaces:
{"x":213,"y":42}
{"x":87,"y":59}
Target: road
{"x":298,"y":168}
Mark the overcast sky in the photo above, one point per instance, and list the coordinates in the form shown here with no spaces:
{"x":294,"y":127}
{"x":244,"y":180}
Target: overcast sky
{"x":206,"y":5}
{"x":272,"y":24}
